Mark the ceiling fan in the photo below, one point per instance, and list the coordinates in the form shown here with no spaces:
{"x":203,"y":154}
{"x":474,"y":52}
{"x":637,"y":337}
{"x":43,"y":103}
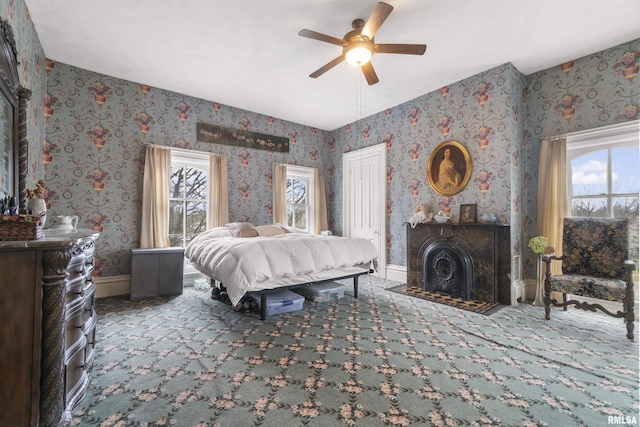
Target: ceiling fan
{"x":358,"y":45}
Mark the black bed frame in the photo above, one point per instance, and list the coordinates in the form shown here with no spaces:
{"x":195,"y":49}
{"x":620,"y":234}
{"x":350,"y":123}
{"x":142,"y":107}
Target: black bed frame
{"x":263,"y":293}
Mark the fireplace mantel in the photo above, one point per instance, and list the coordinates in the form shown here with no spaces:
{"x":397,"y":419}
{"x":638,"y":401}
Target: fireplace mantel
{"x":488,"y":245}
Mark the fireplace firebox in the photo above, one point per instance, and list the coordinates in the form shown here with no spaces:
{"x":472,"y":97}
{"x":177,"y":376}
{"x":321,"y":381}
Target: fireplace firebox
{"x":448,"y":267}
{"x":470,"y":261}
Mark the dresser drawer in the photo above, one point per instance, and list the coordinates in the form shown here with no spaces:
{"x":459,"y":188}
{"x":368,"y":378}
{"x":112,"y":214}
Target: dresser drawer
{"x":90,"y":347}
{"x":89,"y":300}
{"x":76,"y":377}
{"x":74,"y":328}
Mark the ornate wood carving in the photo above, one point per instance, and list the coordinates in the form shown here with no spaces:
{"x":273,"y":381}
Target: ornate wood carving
{"x":54,"y":282}
{"x":23,"y":146}
{"x":19,"y":96}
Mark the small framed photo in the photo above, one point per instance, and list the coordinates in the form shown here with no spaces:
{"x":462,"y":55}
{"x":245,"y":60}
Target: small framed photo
{"x":467,"y":213}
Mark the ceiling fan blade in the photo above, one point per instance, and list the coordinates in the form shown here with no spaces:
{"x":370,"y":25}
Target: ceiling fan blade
{"x":379,"y":15}
{"x":320,"y":71}
{"x":369,"y":73}
{"x":322,"y":37}
{"x":408,"y":49}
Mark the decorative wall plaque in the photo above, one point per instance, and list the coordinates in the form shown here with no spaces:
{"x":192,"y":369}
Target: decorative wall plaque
{"x":241,"y":138}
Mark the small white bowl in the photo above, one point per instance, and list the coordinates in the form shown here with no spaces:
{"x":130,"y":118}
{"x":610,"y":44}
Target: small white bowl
{"x":441,"y":219}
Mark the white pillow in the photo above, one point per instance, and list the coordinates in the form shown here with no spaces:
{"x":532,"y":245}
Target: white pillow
{"x":242,"y":229}
{"x":219,"y":232}
{"x":269,"y":230}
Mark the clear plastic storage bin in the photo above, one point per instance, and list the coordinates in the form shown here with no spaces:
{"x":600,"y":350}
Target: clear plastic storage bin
{"x":321,"y":292}
{"x":280,"y":301}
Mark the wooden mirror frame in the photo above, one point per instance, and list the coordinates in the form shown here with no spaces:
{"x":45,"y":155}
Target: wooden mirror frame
{"x":17,"y":98}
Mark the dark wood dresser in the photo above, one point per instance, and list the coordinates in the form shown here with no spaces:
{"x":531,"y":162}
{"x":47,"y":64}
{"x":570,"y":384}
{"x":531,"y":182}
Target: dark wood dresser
{"x":48,"y":326}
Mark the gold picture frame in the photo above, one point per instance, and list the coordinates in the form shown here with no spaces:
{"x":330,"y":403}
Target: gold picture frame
{"x":449,"y":168}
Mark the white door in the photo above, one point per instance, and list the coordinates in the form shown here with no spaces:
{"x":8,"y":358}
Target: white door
{"x":364,"y":192}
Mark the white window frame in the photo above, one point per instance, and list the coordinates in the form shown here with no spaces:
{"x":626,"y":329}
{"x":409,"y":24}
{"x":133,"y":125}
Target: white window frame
{"x":307,"y":175}
{"x":603,"y":138}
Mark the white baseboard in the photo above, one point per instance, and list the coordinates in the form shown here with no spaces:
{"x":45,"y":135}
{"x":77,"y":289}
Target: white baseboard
{"x":121,"y":285}
{"x":397,"y":273}
{"x":112,"y":286}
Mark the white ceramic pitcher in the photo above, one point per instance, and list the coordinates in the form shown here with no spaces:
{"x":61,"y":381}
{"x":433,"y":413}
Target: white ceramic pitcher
{"x":67,"y":222}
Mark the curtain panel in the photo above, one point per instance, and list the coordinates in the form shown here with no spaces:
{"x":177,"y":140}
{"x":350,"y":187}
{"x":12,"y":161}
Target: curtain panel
{"x":218,"y":213}
{"x":279,"y":188}
{"x":552,"y":193}
{"x":154,"y":231}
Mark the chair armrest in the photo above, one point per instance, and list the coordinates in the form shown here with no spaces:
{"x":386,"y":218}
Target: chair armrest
{"x":629,"y":265}
{"x":550,"y":257}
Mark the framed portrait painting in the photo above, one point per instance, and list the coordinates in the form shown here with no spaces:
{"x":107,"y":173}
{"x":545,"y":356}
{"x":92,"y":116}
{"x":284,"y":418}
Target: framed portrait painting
{"x":467,"y":213}
{"x":449,"y":168}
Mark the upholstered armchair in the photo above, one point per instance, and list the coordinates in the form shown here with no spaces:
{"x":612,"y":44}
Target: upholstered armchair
{"x":594,"y":265}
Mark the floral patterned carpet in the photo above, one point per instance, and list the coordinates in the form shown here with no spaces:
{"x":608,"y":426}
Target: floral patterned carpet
{"x":382,"y":359}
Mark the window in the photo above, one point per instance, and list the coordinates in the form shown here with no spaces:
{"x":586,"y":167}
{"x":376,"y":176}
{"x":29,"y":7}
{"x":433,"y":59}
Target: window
{"x":187,"y":196}
{"x":300,"y":198}
{"x":603,"y":177}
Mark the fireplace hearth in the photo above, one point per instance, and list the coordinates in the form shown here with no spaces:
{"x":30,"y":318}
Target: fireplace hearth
{"x":470,"y":261}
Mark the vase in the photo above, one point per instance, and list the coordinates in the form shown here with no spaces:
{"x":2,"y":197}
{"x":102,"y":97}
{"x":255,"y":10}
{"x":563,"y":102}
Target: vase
{"x":38,"y":207}
{"x":539,"y":301}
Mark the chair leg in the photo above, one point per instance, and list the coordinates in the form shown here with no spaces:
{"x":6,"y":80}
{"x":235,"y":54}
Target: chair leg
{"x":629,"y":318}
{"x":629,"y":299}
{"x":547,"y":290}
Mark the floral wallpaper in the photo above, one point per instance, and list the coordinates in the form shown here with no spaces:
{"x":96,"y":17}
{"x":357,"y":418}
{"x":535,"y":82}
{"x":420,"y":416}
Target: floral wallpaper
{"x":32,"y":76}
{"x":97,"y":130}
{"x":590,"y":92}
{"x":89,"y":132}
{"x":479,"y":112}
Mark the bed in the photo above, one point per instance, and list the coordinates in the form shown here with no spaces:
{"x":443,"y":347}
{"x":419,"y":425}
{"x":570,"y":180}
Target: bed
{"x":244,"y":258}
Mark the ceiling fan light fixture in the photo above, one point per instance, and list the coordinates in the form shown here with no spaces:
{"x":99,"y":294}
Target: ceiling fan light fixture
{"x":358,"y":53}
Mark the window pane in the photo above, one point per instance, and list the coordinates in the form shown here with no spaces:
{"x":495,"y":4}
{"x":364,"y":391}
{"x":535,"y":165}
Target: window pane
{"x":289,"y":190}
{"x":625,"y":170}
{"x":299,"y":191}
{"x":626,"y":207}
{"x":589,"y":174}
{"x":290,"y":222}
{"x":196,"y":217}
{"x":301,"y":217}
{"x":176,"y":187}
{"x":176,"y":215}
{"x":591,"y":207}
{"x":196,"y":184}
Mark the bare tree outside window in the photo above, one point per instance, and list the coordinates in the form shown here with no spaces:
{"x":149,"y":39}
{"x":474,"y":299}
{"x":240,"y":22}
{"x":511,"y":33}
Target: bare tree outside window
{"x":297,"y":203}
{"x":187,"y":204}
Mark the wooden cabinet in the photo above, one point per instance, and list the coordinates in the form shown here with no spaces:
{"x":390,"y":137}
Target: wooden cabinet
{"x":47,"y":327}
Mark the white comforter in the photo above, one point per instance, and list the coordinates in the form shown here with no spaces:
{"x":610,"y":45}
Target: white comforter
{"x":255,"y":263}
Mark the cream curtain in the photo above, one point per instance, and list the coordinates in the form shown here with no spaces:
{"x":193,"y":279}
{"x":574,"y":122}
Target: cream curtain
{"x":320,"y":202}
{"x":279,"y":186}
{"x":154,"y":231}
{"x":552,"y":193}
{"x":218,"y":214}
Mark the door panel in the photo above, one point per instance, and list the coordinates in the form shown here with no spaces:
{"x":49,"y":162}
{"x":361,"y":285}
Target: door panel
{"x":364,"y":198}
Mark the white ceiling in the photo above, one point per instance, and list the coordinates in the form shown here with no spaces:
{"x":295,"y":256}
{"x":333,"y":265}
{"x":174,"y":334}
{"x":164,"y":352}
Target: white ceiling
{"x":247,"y":53}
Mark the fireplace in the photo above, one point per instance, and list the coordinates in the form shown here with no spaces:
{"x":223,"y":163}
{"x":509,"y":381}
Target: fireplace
{"x":448,"y":267}
{"x":470,"y":261}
